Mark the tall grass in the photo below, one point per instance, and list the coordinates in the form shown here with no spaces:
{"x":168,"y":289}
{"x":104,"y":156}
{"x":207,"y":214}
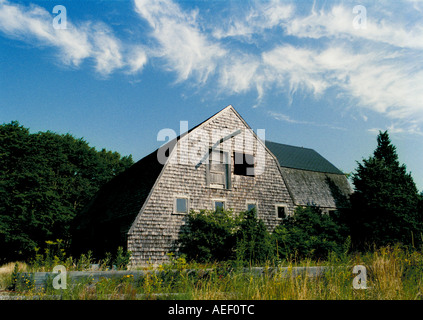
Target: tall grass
{"x":6,"y":272}
{"x":392,"y":273}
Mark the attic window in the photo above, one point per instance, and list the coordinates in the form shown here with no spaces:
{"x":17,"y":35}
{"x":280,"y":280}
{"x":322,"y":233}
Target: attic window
{"x":181,"y":205}
{"x":243,"y":164}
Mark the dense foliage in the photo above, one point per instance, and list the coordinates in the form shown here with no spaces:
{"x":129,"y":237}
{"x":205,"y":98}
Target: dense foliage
{"x":253,"y":242}
{"x":210,"y":235}
{"x":45,"y":179}
{"x":309,"y":233}
{"x":222,"y":235}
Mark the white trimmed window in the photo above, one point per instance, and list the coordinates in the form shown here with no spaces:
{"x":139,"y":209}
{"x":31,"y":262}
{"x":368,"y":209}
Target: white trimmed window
{"x":281,"y":211}
{"x":181,"y":205}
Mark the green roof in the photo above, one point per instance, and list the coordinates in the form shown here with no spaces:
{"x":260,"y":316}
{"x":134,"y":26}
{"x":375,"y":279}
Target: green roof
{"x":300,"y":158}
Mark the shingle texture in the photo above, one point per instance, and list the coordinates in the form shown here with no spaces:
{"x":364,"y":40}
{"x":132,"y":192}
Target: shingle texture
{"x":326,"y":190}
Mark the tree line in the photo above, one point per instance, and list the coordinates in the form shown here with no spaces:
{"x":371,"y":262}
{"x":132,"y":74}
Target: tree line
{"x":45,"y":180}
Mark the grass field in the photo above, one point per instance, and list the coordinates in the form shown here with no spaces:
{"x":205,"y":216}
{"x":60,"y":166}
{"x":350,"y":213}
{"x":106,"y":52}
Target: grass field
{"x":392,"y":273}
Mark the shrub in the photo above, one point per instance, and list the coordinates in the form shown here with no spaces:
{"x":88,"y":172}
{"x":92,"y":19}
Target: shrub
{"x":253,"y":240}
{"x":210,"y":236}
{"x":122,"y":259}
{"x":308,"y":234}
{"x":221,"y":236}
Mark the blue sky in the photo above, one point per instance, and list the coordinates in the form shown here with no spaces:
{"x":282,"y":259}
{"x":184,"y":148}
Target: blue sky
{"x":316,"y":74}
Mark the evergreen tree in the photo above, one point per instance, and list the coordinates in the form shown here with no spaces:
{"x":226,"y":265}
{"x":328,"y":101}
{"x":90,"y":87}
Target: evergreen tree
{"x":385,"y":201}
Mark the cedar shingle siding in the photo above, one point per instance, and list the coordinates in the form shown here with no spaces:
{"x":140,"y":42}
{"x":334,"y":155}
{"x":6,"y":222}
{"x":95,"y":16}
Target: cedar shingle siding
{"x":137,"y":208}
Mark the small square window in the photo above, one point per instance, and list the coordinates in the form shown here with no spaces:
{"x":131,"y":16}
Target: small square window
{"x":281,"y":212}
{"x":219,"y":205}
{"x":181,"y":205}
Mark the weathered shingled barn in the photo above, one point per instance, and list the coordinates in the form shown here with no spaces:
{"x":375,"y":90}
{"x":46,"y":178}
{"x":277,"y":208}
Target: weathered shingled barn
{"x":219,"y":163}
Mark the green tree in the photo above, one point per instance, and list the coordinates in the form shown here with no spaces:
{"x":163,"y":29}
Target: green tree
{"x":385,"y":200}
{"x":45,"y":179}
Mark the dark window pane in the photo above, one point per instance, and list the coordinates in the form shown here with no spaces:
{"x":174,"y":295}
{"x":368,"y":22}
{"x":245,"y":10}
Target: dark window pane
{"x":243,"y":164}
{"x":281,"y":212}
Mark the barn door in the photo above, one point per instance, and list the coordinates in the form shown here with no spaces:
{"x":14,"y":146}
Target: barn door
{"x":218,"y":169}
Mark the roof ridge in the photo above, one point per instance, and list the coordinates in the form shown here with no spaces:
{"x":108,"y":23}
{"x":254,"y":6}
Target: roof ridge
{"x":289,"y":145}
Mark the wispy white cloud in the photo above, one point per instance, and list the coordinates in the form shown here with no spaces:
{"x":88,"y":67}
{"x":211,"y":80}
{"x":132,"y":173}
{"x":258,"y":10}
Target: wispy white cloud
{"x":183,"y":46}
{"x":86,"y":41}
{"x":338,"y":23}
{"x":137,"y":59}
{"x":372,"y":80}
{"x":285,"y":118}
{"x":34,"y":24}
{"x":410,"y":128}
{"x":261,"y":16}
{"x":378,"y":68}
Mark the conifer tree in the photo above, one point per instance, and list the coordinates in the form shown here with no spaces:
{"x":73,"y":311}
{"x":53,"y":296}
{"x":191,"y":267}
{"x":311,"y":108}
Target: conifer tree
{"x":385,"y":202}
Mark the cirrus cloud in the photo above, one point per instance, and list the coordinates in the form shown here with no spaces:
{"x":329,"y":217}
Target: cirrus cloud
{"x":268,"y":45}
{"x":86,"y":40}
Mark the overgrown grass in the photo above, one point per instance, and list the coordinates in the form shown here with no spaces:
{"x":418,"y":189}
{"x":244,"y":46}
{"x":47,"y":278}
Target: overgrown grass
{"x":6,"y":272}
{"x":392,"y":273}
